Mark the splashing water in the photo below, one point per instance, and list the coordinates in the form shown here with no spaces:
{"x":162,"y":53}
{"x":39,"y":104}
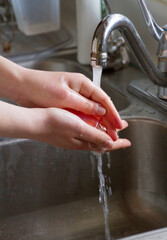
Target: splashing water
{"x":93,"y":165}
{"x":109,"y":160}
{"x":97,"y":72}
{"x":103,"y":196}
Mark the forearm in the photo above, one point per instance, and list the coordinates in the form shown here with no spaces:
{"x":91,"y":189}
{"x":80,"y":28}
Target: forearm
{"x":10,"y":79}
{"x":16,"y":122}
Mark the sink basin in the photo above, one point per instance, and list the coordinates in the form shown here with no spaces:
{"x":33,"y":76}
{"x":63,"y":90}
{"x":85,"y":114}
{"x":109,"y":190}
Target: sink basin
{"x":47,"y":193}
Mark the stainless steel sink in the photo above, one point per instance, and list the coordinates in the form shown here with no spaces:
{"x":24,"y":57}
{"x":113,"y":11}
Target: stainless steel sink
{"x":49,"y":193}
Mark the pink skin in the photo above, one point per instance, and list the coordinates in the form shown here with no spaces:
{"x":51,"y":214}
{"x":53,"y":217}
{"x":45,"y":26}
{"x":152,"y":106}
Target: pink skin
{"x":115,"y":145}
{"x":66,"y":90}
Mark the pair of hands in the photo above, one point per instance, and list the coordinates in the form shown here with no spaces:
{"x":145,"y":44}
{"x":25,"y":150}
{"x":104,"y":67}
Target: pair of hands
{"x":43,"y":97}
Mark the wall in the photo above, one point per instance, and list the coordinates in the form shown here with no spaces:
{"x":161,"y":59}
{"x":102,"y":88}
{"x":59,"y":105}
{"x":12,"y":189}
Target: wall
{"x":68,"y":18}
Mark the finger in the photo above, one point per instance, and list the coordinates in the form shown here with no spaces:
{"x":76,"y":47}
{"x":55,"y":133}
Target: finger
{"x":89,"y":107}
{"x":87,"y":89}
{"x":110,"y":130}
{"x":124,"y":125}
{"x":98,"y":95}
{"x":79,"y":144}
{"x":121,"y":143}
{"x":104,"y":125}
{"x":80,"y":103}
{"x":93,"y":135}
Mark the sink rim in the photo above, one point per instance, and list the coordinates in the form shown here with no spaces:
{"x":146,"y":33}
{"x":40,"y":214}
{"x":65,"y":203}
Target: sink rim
{"x":142,"y":119}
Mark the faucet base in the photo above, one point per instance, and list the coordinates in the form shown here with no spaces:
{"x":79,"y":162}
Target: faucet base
{"x":147,"y":91}
{"x":162,"y":92}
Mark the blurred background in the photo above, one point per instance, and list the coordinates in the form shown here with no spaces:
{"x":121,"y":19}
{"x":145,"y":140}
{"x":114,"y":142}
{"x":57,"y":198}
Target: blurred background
{"x":129,"y":8}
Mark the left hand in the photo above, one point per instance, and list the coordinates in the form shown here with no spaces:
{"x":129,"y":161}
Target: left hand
{"x":66,"y":90}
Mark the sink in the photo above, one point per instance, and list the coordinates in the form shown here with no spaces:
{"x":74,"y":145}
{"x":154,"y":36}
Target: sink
{"x":47,"y":193}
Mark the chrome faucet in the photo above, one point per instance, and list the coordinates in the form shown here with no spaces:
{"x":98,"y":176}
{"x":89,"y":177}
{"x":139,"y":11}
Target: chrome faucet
{"x":99,"y":56}
{"x":116,"y":47}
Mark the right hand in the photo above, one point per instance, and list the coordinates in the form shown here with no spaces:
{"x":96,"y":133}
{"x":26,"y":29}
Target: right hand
{"x":61,"y":128}
{"x":54,"y":126}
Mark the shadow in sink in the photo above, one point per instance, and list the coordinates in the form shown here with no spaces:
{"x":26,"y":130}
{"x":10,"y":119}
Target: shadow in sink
{"x":63,"y":65}
{"x":48,"y":193}
{"x":139,"y":177}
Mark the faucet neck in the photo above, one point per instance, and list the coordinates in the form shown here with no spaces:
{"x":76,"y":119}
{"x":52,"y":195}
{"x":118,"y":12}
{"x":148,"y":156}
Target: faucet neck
{"x":127,"y":29}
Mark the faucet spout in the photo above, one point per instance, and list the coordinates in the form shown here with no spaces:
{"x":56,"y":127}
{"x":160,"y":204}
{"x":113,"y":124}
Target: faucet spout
{"x":126,"y":28}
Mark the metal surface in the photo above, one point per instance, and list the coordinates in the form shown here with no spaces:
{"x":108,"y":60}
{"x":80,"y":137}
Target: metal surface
{"x":126,"y":27}
{"x":160,"y":35}
{"x":146,"y":91}
{"x":47,"y":193}
{"x":162,"y":93}
{"x":117,"y":52}
{"x":159,"y":234}
{"x":108,"y":6}
{"x":153,"y":27}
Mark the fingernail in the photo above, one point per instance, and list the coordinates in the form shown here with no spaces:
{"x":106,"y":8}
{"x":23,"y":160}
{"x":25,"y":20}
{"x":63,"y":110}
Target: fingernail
{"x":124,"y":124}
{"x":100,"y":110}
{"x":129,"y":143}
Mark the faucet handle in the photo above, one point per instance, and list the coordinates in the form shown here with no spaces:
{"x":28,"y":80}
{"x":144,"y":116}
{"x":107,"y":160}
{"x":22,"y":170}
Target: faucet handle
{"x":153,"y":27}
{"x":124,"y":54}
{"x":165,"y":27}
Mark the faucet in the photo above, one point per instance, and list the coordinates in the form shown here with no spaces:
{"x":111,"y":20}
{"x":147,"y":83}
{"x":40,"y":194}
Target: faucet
{"x":99,"y":56}
{"x":116,"y":48}
{"x":108,"y":6}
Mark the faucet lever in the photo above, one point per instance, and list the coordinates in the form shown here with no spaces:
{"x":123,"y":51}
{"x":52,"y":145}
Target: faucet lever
{"x":160,"y":34}
{"x":153,"y":27}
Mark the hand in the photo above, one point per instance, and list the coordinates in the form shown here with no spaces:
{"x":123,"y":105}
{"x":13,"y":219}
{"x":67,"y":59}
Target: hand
{"x":118,"y":144}
{"x":66,"y":90}
{"x":54,"y":126}
{"x":121,"y":142}
{"x":61,"y":128}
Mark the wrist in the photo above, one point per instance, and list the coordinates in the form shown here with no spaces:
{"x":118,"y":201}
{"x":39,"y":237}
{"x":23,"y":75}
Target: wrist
{"x":20,"y":122}
{"x":11,"y":79}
